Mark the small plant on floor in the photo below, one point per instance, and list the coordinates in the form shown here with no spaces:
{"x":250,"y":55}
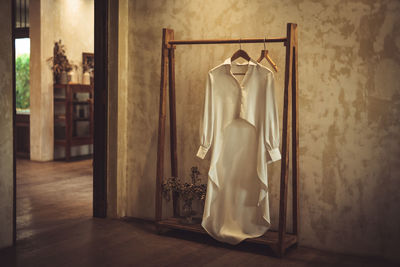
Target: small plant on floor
{"x":186,"y":191}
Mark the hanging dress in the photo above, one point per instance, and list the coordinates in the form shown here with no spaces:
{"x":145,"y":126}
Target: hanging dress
{"x":240,"y":131}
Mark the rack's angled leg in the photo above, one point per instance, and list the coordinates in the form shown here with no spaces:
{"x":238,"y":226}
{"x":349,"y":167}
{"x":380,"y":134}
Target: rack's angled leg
{"x":295,"y":135}
{"x":285,"y":141}
{"x":161,"y":124}
{"x":172,"y":119}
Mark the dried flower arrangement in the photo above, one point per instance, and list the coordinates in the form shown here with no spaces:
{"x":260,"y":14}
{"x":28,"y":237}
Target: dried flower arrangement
{"x":87,"y":62}
{"x":186,"y":191}
{"x":59,"y":60}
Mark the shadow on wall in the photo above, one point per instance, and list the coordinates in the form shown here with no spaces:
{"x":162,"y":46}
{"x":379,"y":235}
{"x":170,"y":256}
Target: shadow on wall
{"x":144,"y":188}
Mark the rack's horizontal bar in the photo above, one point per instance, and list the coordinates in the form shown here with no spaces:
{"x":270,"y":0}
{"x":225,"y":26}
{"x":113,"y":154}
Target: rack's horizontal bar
{"x":228,"y":41}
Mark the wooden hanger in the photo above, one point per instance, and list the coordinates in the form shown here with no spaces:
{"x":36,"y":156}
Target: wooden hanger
{"x":264,"y":54}
{"x":240,"y":53}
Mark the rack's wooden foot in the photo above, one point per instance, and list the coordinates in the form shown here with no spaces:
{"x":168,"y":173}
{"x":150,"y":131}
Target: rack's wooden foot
{"x":277,"y":251}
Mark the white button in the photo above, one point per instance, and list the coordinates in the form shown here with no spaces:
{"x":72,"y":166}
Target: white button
{"x":242,"y":111}
{"x":243,"y":101}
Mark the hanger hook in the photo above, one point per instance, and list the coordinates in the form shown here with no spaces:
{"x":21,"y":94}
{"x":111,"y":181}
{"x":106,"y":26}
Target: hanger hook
{"x":265,"y":40}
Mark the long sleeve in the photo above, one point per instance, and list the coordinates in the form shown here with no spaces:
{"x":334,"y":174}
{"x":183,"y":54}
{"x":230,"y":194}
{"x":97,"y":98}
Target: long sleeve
{"x":207,"y":122}
{"x":271,"y":122}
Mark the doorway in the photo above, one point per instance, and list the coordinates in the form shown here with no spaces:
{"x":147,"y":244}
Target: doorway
{"x":92,"y":174}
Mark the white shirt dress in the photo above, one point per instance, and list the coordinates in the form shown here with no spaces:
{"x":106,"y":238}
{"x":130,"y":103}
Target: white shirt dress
{"x":240,"y":131}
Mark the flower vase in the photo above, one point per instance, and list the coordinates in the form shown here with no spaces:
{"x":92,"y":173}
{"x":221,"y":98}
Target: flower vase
{"x":86,"y":78}
{"x":187,"y":212}
{"x":72,"y":77}
{"x":63,"y":77}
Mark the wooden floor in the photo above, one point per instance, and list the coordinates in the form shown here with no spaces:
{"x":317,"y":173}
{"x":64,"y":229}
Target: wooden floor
{"x":55,"y":228}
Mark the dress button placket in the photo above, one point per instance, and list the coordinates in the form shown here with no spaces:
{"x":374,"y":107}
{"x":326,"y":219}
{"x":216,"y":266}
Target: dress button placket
{"x":243,"y":98}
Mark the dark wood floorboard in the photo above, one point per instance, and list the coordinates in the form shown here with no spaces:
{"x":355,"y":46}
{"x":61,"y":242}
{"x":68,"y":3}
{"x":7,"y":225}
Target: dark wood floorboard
{"x":55,"y":228}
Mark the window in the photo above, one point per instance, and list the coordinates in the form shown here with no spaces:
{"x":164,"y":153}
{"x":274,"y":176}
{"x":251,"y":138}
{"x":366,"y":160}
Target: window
{"x":22,"y":55}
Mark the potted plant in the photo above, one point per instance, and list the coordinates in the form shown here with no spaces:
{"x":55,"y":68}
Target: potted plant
{"x":61,"y":65}
{"x":187,"y":192}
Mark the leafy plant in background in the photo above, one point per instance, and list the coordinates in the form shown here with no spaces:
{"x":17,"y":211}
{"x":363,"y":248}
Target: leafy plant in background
{"x":59,"y":60}
{"x":22,"y":81}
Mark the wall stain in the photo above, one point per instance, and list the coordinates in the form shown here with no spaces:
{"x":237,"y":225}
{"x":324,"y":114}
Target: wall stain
{"x":359,"y":103}
{"x":319,"y":225}
{"x":382,"y":112}
{"x":329,"y":161}
{"x":344,"y":104}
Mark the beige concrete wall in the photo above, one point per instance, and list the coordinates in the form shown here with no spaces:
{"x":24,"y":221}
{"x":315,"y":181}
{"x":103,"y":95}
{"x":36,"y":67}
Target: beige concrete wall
{"x":41,"y":91}
{"x":123,"y":77}
{"x":73,"y":23}
{"x":117,"y":108}
{"x":6,"y":132}
{"x":349,"y":56}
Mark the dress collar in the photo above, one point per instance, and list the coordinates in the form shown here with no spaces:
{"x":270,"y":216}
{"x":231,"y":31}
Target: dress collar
{"x":229,"y":62}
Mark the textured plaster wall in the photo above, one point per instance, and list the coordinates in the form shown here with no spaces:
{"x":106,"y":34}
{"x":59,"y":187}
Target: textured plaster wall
{"x":117,"y":88}
{"x":118,"y":73}
{"x":6,"y":133}
{"x":41,"y":103}
{"x":74,"y":25}
{"x":123,"y":81}
{"x":73,"y":22}
{"x":349,"y":56}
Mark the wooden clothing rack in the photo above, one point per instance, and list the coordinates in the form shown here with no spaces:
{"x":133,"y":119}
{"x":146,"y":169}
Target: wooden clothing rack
{"x":281,"y":240}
